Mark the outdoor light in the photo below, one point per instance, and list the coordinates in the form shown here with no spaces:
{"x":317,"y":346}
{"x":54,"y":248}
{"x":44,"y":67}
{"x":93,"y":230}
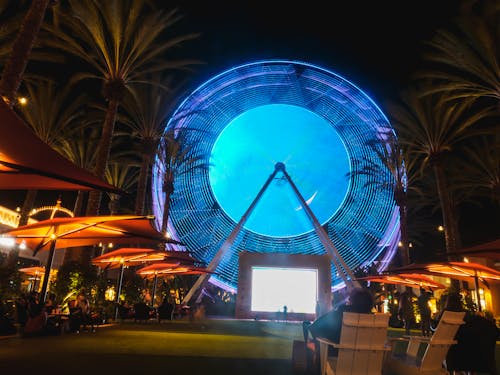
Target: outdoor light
{"x":7,"y":242}
{"x":440,"y":228}
{"x":110,"y":294}
{"x":22,"y":100}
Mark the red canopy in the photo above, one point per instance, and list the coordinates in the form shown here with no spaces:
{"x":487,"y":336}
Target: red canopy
{"x":26,"y":162}
{"x":489,"y":250}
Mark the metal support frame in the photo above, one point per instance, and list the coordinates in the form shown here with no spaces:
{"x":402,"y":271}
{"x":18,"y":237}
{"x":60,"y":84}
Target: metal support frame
{"x":342,"y":268}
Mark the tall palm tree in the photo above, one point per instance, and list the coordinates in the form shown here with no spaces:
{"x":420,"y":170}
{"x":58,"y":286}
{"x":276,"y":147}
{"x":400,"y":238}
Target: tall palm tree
{"x":16,"y":64}
{"x":401,"y":165}
{"x":123,"y":174}
{"x":479,"y":169}
{"x":433,"y":127}
{"x":147,"y":109}
{"x":176,"y":156}
{"x":121,"y":40}
{"x":466,"y":58}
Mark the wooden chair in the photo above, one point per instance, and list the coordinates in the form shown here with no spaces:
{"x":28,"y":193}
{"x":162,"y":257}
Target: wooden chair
{"x":362,"y":346}
{"x":425,"y":355}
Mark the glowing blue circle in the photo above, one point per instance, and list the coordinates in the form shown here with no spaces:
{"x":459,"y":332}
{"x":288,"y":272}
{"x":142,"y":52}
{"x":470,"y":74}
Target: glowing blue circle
{"x":246,"y":152}
{"x":325,"y":130}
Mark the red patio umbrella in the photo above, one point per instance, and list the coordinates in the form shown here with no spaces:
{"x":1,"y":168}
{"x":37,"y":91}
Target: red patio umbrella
{"x":456,"y":270}
{"x":68,"y":232}
{"x":410,"y":279}
{"x":26,"y":162}
{"x":490,"y":250}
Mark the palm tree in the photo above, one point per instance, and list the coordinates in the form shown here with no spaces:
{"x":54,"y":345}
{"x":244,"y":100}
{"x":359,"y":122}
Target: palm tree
{"x":53,"y":114}
{"x":401,"y":166}
{"x":176,"y":156}
{"x":121,"y":40}
{"x":16,"y":64}
{"x":466,"y":59}
{"x":148,"y":109}
{"x":123,"y":174}
{"x":479,"y":169}
{"x":432,"y":127}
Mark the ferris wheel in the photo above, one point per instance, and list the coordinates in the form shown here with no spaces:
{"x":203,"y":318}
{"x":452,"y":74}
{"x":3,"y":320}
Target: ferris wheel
{"x":283,"y":139}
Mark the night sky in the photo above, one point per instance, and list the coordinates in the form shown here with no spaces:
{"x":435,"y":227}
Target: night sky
{"x":374,"y":44}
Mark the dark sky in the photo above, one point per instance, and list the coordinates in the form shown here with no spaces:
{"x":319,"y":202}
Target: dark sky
{"x":374,"y":44}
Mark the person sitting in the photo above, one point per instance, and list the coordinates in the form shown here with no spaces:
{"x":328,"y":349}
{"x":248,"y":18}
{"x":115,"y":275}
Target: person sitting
{"x":37,"y":321}
{"x":329,"y":325}
{"x":141,"y":312}
{"x":165,"y":310}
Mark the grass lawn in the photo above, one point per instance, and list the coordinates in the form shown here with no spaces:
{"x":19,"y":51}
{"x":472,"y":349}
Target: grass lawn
{"x":180,"y":347}
{"x":217,"y":347}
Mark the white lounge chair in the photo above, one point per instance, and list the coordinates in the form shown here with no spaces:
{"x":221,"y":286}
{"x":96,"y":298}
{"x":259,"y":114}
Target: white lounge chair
{"x":428,"y":359}
{"x":362,"y":346}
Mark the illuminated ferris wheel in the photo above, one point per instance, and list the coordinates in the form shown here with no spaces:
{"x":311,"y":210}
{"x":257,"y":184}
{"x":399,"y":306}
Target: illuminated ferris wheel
{"x":283,"y":140}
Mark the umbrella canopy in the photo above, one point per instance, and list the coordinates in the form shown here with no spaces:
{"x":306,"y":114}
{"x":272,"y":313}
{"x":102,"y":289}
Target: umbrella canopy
{"x":166,"y":269}
{"x":87,"y":231}
{"x":26,"y":162}
{"x":466,"y":271}
{"x":129,"y":257}
{"x":33,"y":271}
{"x":84,"y":231}
{"x":489,"y":250}
{"x":410,"y":279}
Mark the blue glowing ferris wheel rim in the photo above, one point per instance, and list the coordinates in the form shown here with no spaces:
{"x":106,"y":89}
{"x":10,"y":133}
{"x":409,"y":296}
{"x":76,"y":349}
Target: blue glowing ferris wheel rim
{"x":363,"y":225}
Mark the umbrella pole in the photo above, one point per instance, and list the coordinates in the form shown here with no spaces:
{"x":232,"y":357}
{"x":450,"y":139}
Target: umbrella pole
{"x":478,"y":295}
{"x":155,"y":280}
{"x":119,"y":291}
{"x":48,"y":267}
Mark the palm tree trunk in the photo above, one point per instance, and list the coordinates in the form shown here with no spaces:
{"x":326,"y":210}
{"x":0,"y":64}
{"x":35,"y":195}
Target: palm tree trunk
{"x":142,"y":185}
{"x":16,"y":64}
{"x":78,"y":208}
{"x":103,"y":155}
{"x":404,"y":253}
{"x":166,"y":209}
{"x":28,"y":204}
{"x":446,"y":208}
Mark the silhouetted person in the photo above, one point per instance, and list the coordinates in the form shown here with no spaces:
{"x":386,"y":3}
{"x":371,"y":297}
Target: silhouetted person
{"x":425,"y":311}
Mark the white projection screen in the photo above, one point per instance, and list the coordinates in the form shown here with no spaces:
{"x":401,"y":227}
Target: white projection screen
{"x":269,"y":281}
{"x":273,"y":288}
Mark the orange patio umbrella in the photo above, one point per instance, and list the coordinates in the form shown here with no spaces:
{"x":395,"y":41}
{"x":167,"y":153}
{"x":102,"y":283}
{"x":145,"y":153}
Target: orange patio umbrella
{"x":466,"y":271}
{"x":132,"y":256}
{"x":410,"y":279}
{"x":168,"y":269}
{"x":35,"y":271}
{"x":66,"y":232}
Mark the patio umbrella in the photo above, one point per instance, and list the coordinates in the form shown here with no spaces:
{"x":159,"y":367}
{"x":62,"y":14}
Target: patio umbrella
{"x":36,"y":272}
{"x":409,"y":279}
{"x":125,"y":257}
{"x":26,"y":162}
{"x":159,"y":269}
{"x":456,"y":270}
{"x":85,"y":231}
{"x":490,"y":250}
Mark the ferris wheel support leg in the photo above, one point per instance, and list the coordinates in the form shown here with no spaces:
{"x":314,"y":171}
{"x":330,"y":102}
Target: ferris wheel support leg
{"x":342,"y":268}
{"x":202,"y":279}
